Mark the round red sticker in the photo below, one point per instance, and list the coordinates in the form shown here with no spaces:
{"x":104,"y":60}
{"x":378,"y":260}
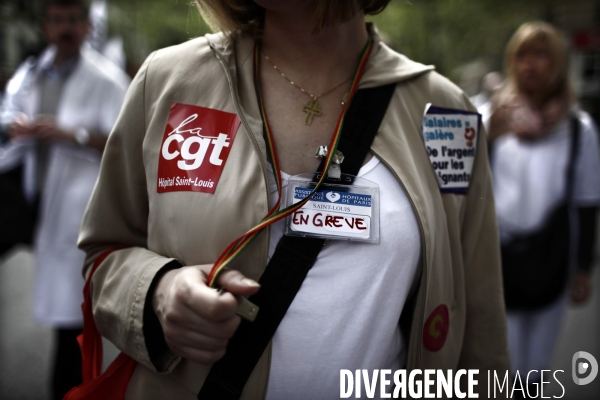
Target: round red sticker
{"x":436,"y":327}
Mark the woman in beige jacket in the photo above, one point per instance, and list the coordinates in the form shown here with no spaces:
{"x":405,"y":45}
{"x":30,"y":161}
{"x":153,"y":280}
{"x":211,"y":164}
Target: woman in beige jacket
{"x":170,"y":207}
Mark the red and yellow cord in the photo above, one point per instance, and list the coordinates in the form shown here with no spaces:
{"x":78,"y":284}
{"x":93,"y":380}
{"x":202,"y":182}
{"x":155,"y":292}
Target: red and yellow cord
{"x":235,"y":248}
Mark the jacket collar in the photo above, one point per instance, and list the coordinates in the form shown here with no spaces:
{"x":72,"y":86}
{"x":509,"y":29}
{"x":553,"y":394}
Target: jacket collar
{"x":386,"y":66}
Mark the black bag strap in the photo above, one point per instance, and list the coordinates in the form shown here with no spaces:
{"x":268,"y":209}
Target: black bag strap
{"x":293,"y":258}
{"x":575,"y":135}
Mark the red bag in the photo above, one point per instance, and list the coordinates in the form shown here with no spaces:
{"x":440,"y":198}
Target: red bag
{"x":112,"y":384}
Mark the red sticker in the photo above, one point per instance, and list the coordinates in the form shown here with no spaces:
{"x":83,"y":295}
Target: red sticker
{"x":194,"y":149}
{"x":436,"y":327}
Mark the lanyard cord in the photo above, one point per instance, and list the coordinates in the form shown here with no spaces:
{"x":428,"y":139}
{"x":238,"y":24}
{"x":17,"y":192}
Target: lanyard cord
{"x":235,"y":248}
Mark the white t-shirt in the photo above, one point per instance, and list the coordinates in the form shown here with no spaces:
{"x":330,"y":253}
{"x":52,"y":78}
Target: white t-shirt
{"x":346,"y":314}
{"x":529,"y":177}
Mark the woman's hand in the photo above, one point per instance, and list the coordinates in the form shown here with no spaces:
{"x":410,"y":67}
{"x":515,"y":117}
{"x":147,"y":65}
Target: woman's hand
{"x":198,"y":321}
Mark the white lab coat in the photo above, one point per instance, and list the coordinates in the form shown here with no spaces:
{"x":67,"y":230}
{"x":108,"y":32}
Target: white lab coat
{"x":91,"y":99}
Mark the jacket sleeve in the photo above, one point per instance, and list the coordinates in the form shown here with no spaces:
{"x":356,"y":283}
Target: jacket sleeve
{"x":485,"y":340}
{"x":12,"y":105}
{"x":117,"y":218}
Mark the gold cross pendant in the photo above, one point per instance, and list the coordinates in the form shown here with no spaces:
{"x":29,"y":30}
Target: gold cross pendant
{"x":311,"y":109}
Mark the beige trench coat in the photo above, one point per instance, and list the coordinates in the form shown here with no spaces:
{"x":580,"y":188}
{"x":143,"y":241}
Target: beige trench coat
{"x":460,"y":254}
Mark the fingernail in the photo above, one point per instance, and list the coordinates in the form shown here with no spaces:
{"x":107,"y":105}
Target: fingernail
{"x":249,"y":282}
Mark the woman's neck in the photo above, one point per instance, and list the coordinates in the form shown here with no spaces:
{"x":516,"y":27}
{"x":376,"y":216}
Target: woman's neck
{"x":315,"y":60}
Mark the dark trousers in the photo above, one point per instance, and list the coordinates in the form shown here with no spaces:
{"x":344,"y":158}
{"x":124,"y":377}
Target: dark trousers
{"x":67,"y":362}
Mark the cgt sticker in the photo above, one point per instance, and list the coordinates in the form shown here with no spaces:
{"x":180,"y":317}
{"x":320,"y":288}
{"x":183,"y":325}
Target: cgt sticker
{"x":436,"y":327}
{"x":194,"y":149}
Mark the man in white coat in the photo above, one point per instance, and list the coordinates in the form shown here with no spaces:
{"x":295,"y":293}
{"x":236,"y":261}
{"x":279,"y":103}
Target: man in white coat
{"x":58,"y":112}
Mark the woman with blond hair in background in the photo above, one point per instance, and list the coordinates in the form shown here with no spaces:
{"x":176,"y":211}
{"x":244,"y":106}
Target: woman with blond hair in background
{"x":546,"y":173}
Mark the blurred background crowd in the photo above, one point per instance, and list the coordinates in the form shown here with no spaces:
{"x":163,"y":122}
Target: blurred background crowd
{"x":464,"y":39}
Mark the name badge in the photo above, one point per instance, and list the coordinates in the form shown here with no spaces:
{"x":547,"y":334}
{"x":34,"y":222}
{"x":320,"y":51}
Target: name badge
{"x":335,"y":211}
{"x":451,"y":142}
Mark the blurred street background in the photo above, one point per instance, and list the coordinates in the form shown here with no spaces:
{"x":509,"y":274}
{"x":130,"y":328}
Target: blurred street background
{"x":464,"y":39}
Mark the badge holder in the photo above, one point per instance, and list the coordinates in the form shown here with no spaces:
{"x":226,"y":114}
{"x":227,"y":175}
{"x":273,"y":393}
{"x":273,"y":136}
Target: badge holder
{"x":344,"y":207}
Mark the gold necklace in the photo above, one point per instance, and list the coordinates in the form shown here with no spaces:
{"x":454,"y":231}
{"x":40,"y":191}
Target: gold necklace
{"x":313,"y":107}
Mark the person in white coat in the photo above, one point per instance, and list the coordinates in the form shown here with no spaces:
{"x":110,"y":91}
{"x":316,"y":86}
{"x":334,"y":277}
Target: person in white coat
{"x":58,"y":112}
{"x":545,"y":158}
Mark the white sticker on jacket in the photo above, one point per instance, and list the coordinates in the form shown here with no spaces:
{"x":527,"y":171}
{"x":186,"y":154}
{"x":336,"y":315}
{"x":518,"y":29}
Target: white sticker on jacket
{"x":451,"y":142}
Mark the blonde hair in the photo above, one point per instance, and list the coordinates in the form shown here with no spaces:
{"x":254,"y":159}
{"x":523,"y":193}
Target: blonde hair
{"x":546,"y":34}
{"x":247,"y":16}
